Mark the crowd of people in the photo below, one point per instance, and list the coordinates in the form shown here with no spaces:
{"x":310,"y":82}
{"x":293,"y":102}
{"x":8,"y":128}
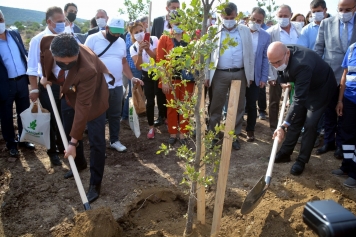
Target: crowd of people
{"x":312,"y":55}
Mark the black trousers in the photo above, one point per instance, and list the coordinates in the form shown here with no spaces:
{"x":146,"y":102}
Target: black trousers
{"x":161,"y":101}
{"x":96,"y":134}
{"x":55,"y":137}
{"x":332,"y":122}
{"x":310,"y":120}
{"x":18,"y":93}
{"x":262,"y":100}
{"x":149,"y":89}
{"x":252,"y":93}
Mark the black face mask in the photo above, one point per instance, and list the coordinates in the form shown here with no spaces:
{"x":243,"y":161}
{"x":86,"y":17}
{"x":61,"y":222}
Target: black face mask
{"x":110,"y":37}
{"x":64,"y":66}
{"x":71,"y":16}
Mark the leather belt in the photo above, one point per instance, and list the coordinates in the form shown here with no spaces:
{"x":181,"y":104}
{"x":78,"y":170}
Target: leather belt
{"x":230,"y":69}
{"x":16,"y":78}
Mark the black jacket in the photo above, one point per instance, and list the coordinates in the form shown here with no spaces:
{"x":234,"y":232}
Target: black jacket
{"x":158,"y":26}
{"x":313,"y":78}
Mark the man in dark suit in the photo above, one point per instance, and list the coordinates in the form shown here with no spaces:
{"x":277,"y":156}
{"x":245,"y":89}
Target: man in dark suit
{"x":101,"y":18}
{"x":70,"y":11}
{"x":161,"y":24}
{"x":13,"y":85}
{"x":314,"y":82}
{"x":85,"y":100}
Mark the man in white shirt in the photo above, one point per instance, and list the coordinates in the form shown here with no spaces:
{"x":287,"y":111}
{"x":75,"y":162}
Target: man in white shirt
{"x":111,"y":49}
{"x":236,"y":63}
{"x":55,"y":25}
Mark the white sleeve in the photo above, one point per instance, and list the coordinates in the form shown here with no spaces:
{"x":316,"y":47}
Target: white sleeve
{"x":33,"y":57}
{"x":155,"y":42}
{"x":89,"y":42}
{"x":132,"y":50}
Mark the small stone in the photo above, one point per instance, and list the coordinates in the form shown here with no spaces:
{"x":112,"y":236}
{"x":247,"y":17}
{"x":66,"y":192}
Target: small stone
{"x":246,"y":185}
{"x":52,"y":229}
{"x":117,"y":166}
{"x":333,"y":191}
{"x":290,"y":220}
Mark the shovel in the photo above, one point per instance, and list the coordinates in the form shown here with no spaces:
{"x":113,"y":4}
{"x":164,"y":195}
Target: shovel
{"x":254,"y":197}
{"x":70,"y":158}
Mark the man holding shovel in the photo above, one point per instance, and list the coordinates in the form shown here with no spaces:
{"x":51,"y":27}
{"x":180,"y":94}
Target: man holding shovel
{"x":314,"y":81}
{"x":85,"y":100}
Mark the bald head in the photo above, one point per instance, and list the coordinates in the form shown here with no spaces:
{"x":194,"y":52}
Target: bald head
{"x":276,"y":53}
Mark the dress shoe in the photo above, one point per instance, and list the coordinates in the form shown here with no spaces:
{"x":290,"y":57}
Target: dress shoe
{"x":27,"y":145}
{"x":297,"y":168}
{"x":338,"y":153}
{"x":250,"y":136}
{"x":236,"y":145}
{"x":69,"y":174}
{"x":14,"y":152}
{"x":93,"y":193}
{"x":54,"y":158}
{"x":282,"y":158}
{"x":158,"y":122}
{"x":325,"y":148}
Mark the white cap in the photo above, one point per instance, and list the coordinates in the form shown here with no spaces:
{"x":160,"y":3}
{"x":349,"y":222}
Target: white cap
{"x":116,"y":25}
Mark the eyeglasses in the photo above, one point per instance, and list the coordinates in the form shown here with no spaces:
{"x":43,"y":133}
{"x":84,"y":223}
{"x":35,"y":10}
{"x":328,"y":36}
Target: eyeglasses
{"x":134,"y":22}
{"x":346,"y":9}
{"x":278,"y":62}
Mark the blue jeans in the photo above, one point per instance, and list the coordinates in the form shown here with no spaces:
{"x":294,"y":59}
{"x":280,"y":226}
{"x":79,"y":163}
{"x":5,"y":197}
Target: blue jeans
{"x":114,"y":112}
{"x":125,"y":112}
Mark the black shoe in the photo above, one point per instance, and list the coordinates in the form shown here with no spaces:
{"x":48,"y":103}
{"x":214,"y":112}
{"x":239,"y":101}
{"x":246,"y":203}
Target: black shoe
{"x":69,"y":174}
{"x":325,"y":148}
{"x":282,"y":158}
{"x":54,"y":158}
{"x":93,"y":193}
{"x":27,"y":145}
{"x":338,"y":153}
{"x":14,"y":152}
{"x":236,"y":145}
{"x":172,"y":140}
{"x":159,"y":122}
{"x":297,"y":168}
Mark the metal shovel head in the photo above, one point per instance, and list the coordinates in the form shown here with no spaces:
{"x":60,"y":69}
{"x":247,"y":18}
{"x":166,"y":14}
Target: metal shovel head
{"x":254,"y":197}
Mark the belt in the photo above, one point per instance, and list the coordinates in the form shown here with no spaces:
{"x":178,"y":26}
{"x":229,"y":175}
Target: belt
{"x":16,"y":78}
{"x":230,"y":69}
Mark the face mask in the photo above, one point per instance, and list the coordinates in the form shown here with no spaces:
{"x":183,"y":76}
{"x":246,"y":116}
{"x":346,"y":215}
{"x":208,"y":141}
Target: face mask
{"x":68,"y":30}
{"x":318,"y":16}
{"x":254,"y":26}
{"x":229,"y":24}
{"x":2,"y":27}
{"x":311,"y":19}
{"x":213,"y":22}
{"x":177,"y":30}
{"x":111,"y":38}
{"x":283,"y":22}
{"x":101,"y":22}
{"x":64,"y":66}
{"x":345,"y":16}
{"x":299,"y":23}
{"x":139,"y":36}
{"x":71,"y":16}
{"x":283,"y":66}
{"x":60,"y":26}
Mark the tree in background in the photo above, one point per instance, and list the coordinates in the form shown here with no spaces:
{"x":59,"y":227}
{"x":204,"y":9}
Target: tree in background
{"x":19,"y":26}
{"x":270,"y":8}
{"x":135,"y":9}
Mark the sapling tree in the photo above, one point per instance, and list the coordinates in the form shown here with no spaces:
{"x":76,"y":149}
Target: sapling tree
{"x":135,"y":8}
{"x":201,"y":42}
{"x":270,"y":7}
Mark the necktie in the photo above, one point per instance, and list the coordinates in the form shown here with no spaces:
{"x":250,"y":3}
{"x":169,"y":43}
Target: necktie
{"x":344,"y":36}
{"x":61,"y":77}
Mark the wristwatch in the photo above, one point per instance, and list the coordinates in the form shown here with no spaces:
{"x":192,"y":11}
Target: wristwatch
{"x":73,"y":144}
{"x":284,"y":128}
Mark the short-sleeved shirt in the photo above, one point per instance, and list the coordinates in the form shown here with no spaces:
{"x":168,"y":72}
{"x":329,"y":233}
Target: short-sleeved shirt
{"x":145,"y":57}
{"x":112,"y":58}
{"x":350,"y":90}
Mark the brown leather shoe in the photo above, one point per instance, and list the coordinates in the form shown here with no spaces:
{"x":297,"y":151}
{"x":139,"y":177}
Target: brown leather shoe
{"x":250,"y":136}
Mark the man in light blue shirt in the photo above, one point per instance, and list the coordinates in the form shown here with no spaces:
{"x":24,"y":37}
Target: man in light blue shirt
{"x":310,"y":32}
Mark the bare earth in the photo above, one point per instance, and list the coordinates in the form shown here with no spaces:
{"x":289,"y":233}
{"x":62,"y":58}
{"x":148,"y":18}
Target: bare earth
{"x":142,"y":190}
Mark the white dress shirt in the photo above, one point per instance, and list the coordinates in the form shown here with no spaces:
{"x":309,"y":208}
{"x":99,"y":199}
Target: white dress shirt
{"x":255,"y":41}
{"x":291,"y":38}
{"x":232,"y":56}
{"x":34,"y":63}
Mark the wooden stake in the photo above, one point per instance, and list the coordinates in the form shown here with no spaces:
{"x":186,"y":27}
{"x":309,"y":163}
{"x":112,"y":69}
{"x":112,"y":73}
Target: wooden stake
{"x":201,"y":188}
{"x":225,"y":157}
{"x":149,"y":17}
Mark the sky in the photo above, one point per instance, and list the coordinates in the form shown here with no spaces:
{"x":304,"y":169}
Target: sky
{"x":87,"y":10}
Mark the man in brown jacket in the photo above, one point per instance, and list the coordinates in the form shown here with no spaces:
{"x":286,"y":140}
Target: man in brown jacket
{"x":85,"y":100}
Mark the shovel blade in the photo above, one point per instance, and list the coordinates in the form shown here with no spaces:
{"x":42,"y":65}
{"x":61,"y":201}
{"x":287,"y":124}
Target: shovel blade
{"x":254,"y":197}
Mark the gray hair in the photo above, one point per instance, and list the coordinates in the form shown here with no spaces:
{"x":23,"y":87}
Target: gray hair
{"x":64,"y":45}
{"x":2,"y":14}
{"x":101,"y":10}
{"x":285,"y":6}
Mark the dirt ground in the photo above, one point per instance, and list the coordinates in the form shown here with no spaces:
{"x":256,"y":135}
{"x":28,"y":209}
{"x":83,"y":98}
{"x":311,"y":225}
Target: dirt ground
{"x":142,"y":190}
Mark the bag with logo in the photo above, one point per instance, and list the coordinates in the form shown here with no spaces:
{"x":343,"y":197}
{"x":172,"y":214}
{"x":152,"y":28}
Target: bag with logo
{"x":139,"y":99}
{"x":133,"y":119}
{"x":36,"y":125}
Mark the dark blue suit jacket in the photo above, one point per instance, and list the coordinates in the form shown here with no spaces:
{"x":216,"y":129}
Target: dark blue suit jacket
{"x":4,"y":80}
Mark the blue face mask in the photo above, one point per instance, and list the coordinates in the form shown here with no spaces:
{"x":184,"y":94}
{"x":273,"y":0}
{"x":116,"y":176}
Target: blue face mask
{"x":177,"y":30}
{"x":60,"y":27}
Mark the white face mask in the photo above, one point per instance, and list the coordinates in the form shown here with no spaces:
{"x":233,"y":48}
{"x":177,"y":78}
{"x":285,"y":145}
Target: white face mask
{"x":283,"y":22}
{"x":2,"y":27}
{"x":139,"y":36}
{"x":229,"y":24}
{"x":299,"y":23}
{"x":213,"y":22}
{"x":101,"y":22}
{"x":254,"y":26}
{"x":283,"y":66}
{"x":68,"y":30}
{"x":311,"y":19}
{"x":318,"y":16}
{"x":345,"y":16}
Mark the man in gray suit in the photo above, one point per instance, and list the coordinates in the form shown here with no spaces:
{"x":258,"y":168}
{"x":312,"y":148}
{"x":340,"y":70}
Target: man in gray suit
{"x":335,"y":35}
